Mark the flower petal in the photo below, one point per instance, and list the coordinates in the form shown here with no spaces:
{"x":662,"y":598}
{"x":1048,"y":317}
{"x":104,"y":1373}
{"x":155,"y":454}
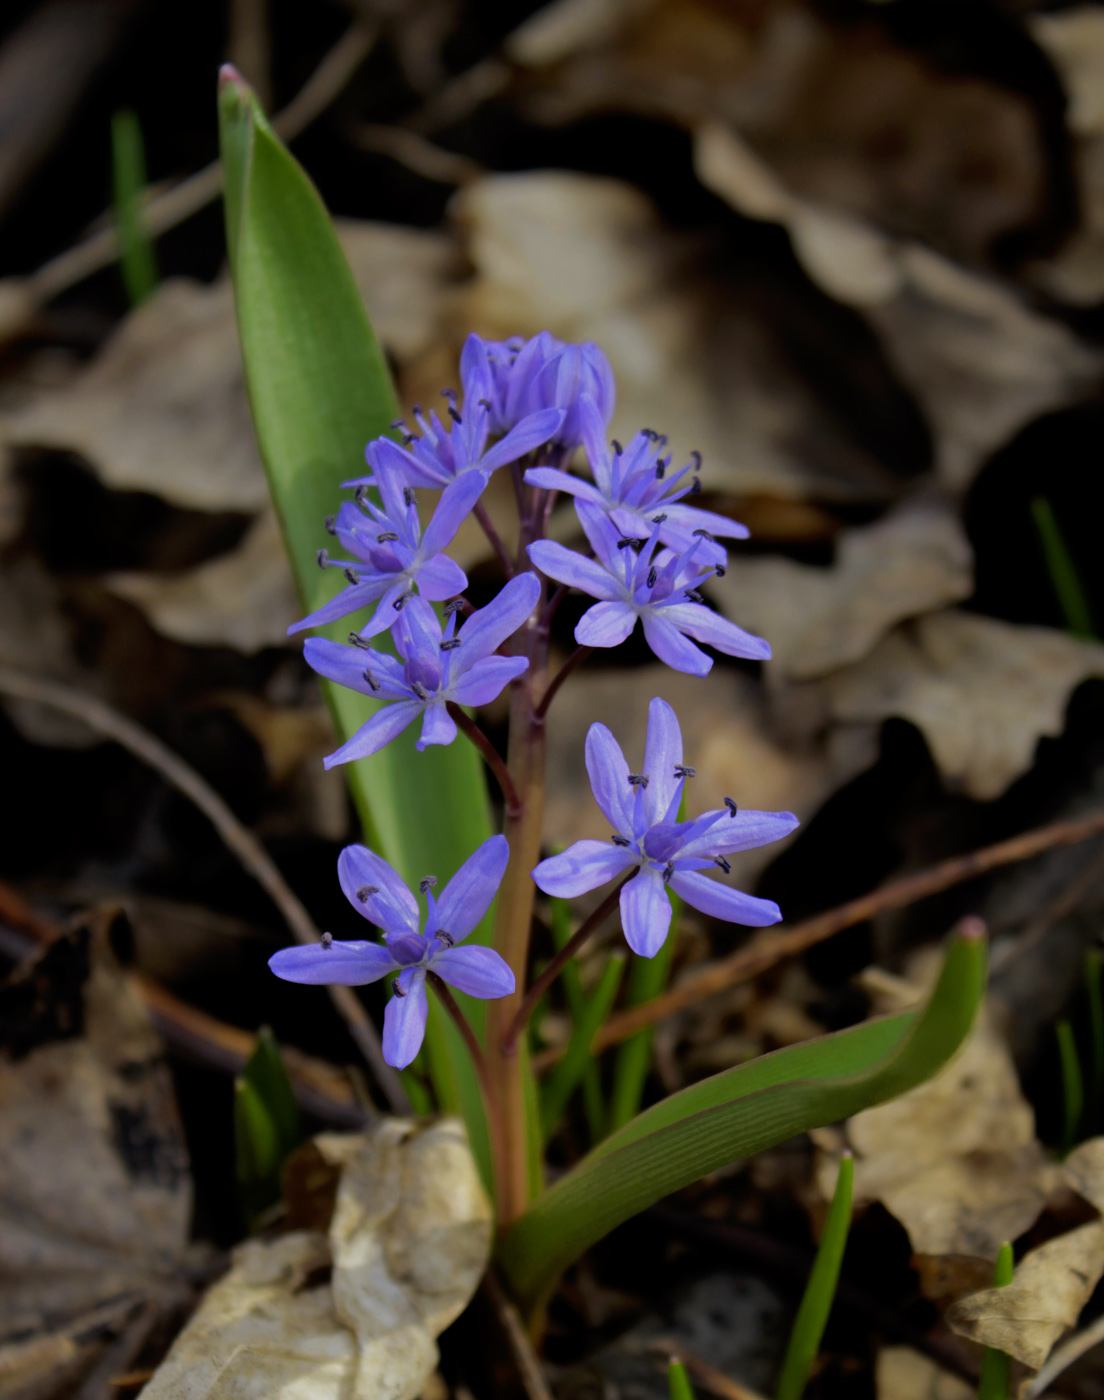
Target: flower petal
{"x":487,"y":679}
{"x":532,"y":431}
{"x":742,"y":832}
{"x":376,"y":734}
{"x":704,"y":625}
{"x":404,"y":1021}
{"x":438,"y":727}
{"x":440,"y":577}
{"x":662,"y":755}
{"x":574,"y":569}
{"x":710,"y":897}
{"x":347,"y":665}
{"x":392,"y":907}
{"x":486,"y":630}
{"x":480,"y":972}
{"x":583,"y":867}
{"x":468,"y":895}
{"x":645,"y":912}
{"x":606,"y":624}
{"x":357,"y":595}
{"x":552,"y":479}
{"x":672,"y":647}
{"x":353,"y":963}
{"x":609,"y":778}
{"x":453,"y":508}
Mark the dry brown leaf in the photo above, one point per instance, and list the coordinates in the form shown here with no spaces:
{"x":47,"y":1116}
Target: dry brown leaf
{"x":1048,"y":1290}
{"x":903,"y":1374}
{"x":1084,"y":1169}
{"x":982,"y":692}
{"x":914,"y":560}
{"x":408,"y":1243}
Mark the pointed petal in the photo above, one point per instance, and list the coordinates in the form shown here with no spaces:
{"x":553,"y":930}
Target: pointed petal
{"x":393,"y":908}
{"x":704,"y":625}
{"x":486,"y":630}
{"x":582,"y":867}
{"x":441,"y":577}
{"x":453,"y":508}
{"x":672,"y":647}
{"x":386,"y":614}
{"x":480,"y":972}
{"x":592,"y":430}
{"x":404,"y":1021}
{"x":347,"y":964}
{"x":742,"y":832}
{"x":710,"y":897}
{"x":600,"y":530}
{"x":468,"y":895}
{"x":357,"y":595}
{"x":605,"y":624}
{"x":609,"y":778}
{"x":690,"y":518}
{"x":567,"y":566}
{"x":662,"y":755}
{"x":645,"y":912}
{"x":487,"y":679}
{"x":552,"y":479}
{"x":438,"y":727}
{"x":346,"y":665}
{"x":390,"y":471}
{"x":405,"y":466}
{"x":532,"y":431}
{"x":384,"y":725}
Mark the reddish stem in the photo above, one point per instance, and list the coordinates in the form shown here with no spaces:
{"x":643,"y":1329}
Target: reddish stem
{"x":491,"y":756}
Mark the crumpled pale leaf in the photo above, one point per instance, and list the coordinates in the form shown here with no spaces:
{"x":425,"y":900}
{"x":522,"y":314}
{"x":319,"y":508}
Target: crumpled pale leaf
{"x":980,"y":362}
{"x":1084,"y":1169}
{"x":903,"y":1374}
{"x":982,"y":692}
{"x":1048,"y":1290}
{"x":408,"y":1243}
{"x":914,"y":560}
{"x":243,"y":599}
{"x":956,"y":1159}
{"x":95,"y":1193}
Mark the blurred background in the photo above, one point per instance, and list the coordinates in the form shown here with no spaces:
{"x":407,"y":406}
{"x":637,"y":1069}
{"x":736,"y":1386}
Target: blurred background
{"x":853,"y":253}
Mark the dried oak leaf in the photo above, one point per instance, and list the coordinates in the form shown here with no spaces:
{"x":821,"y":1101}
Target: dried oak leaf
{"x":903,"y":1374}
{"x":982,"y":692}
{"x":351,"y":1316}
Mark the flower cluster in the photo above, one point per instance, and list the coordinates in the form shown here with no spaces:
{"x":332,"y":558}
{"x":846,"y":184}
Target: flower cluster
{"x":529,"y":404}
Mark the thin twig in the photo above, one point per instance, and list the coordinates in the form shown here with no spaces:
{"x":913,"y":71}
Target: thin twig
{"x":559,"y":962}
{"x":768,"y":948}
{"x":525,"y":1356}
{"x":579,"y":655}
{"x":1064,"y":1356}
{"x":164,"y":211}
{"x":491,"y":756}
{"x":479,"y":510}
{"x":416,"y":153}
{"x":253,"y":856}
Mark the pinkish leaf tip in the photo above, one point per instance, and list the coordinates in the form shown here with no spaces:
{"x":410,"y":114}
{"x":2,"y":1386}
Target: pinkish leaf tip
{"x":971,"y":927}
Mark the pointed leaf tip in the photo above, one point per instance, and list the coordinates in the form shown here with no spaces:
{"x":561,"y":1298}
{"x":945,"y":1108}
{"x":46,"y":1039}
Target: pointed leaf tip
{"x":228,"y":75}
{"x":971,"y":927}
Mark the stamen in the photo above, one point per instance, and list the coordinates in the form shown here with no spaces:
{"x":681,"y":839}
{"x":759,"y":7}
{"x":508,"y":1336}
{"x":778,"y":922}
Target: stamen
{"x":702,"y":535}
{"x":365,"y":893}
{"x":640,"y":780}
{"x":427,"y":882}
{"x":387,"y":536}
{"x":668,"y":871}
{"x":720,"y":860}
{"x":399,"y":424}
{"x":408,"y":438}
{"x":692,"y":595}
{"x":683,"y":770}
{"x":696,"y":458}
{"x":419,"y":690}
{"x":449,"y":394}
{"x":617,"y":448}
{"x":695,"y":487}
{"x":720,"y":570}
{"x":375,"y":685}
{"x":661,"y":470}
{"x":331,"y":524}
{"x":659,"y":519}
{"x":409,"y":496}
{"x":731,"y":805}
{"x":454,"y":413}
{"x":650,"y":433}
{"x":653,"y":574}
{"x":356,"y":640}
{"x":402,"y":600}
{"x":360,"y":495}
{"x":326,"y":940}
{"x":454,"y":605}
{"x":323,"y":557}
{"x":629,"y":543}
{"x":397,"y":989}
{"x":620,"y":840}
{"x":450,"y":644}
{"x":486,"y":403}
{"x":445,"y":937}
{"x":352,"y":577}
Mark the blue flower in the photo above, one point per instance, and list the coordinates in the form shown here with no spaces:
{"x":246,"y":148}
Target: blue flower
{"x":378,"y":894}
{"x":658,"y":589}
{"x":518,"y":377}
{"x":433,"y":667}
{"x":643,"y":810}
{"x":391,"y":555}
{"x":633,"y":488}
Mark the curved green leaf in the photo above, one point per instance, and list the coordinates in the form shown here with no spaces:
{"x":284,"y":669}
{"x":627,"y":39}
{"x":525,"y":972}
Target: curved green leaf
{"x":737,"y":1113}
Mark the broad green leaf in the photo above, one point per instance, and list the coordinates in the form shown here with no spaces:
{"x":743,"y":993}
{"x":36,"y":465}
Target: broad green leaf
{"x":816,"y":1303}
{"x":319,"y":391}
{"x":678,"y":1382}
{"x":735,"y":1114}
{"x":265,"y":1074}
{"x":593,"y":1098}
{"x":561,"y":1083}
{"x":995,"y":1381}
{"x":647,"y":979}
{"x":128,"y":172}
{"x":1073,"y":1088}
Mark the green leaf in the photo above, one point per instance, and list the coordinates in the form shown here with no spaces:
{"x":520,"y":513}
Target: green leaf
{"x":995,"y":1381}
{"x":265,"y":1074}
{"x":256,"y":1151}
{"x":1093,"y":963}
{"x":735,"y":1114}
{"x":816,"y":1304}
{"x":320,"y":391}
{"x":128,"y":171}
{"x":593,"y":1100}
{"x":678,"y":1382}
{"x":561,"y":1083}
{"x":647,"y":979}
{"x":1073,"y":1089}
{"x":1063,"y":571}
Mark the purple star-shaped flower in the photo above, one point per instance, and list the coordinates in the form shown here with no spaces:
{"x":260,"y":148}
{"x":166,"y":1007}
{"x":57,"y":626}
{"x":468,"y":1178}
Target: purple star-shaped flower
{"x":377,"y":893}
{"x":643,"y":810}
{"x":517,"y":377}
{"x":660,"y":590}
{"x":433,"y":667}
{"x":633,"y":488}
{"x":391,"y":555}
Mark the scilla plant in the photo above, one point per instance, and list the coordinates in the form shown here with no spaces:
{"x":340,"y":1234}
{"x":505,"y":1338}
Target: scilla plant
{"x":447,"y":901}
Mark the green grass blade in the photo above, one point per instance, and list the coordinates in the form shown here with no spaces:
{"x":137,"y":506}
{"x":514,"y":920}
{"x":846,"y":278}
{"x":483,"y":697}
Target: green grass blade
{"x":812,"y":1315}
{"x":594,"y":1102}
{"x":1062,"y":570}
{"x":256,"y":1151}
{"x":1093,"y":992}
{"x":128,"y":171}
{"x":568,"y":1074}
{"x":265,"y":1074}
{"x":737,"y":1113}
{"x":1073,"y":1090}
{"x":647,"y":979}
{"x":319,"y":390}
{"x":995,"y":1381}
{"x":678,"y":1382}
